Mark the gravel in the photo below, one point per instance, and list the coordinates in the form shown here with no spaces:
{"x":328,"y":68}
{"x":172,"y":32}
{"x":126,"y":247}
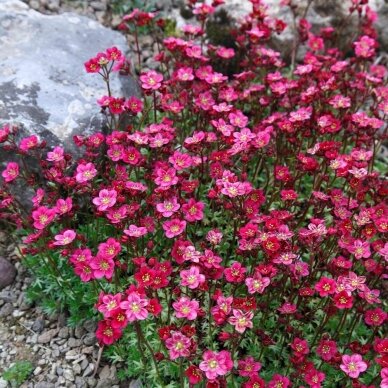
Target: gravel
{"x":61,"y":356}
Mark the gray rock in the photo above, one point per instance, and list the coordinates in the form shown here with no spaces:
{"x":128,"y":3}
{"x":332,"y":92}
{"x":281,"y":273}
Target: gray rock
{"x":6,"y":310}
{"x":89,"y":339}
{"x":47,"y":336}
{"x":46,"y":89}
{"x":105,"y":383}
{"x":64,"y":332}
{"x":90,"y":326}
{"x":7,"y":272}
{"x":79,"y":331}
{"x":38,"y":325}
{"x":73,"y":343}
{"x":44,"y":384}
{"x":3,"y":383}
{"x":135,"y":384}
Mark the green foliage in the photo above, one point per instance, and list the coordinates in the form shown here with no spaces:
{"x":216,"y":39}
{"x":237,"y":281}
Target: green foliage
{"x":18,"y":373}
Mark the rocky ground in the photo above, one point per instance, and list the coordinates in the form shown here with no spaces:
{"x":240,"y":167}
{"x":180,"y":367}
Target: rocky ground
{"x":61,"y":356}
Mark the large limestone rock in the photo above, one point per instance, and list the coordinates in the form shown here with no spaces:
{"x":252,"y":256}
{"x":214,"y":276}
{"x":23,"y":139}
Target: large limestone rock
{"x":43,"y":84}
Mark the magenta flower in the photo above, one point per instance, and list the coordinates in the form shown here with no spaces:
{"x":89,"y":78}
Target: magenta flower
{"x":151,"y":80}
{"x":257,"y":283}
{"x":65,"y":238}
{"x":166,"y":178}
{"x":135,"y":231}
{"x":102,"y":267}
{"x":85,"y":172}
{"x":174,"y":227}
{"x":248,"y":367}
{"x":63,"y":206}
{"x":193,"y":211}
{"x":178,"y":345}
{"x":109,"y":249}
{"x":134,"y":307}
{"x":105,"y":199}
{"x":168,"y":207}
{"x":108,"y":304}
{"x":186,"y":308}
{"x":56,"y":155}
{"x":43,"y":217}
{"x":11,"y":172}
{"x":353,"y":365}
{"x":216,"y":364}
{"x":192,"y":278}
{"x":360,"y":249}
{"x":241,"y":321}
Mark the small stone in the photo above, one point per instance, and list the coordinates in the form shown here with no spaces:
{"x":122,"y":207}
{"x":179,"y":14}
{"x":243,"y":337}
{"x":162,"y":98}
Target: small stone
{"x":3,"y":383}
{"x":91,"y":381}
{"x":104,"y":372}
{"x":73,"y":343}
{"x":84,"y":364}
{"x":7,"y":273}
{"x":37,"y":370}
{"x":89,"y":339}
{"x":53,"y":5}
{"x":135,"y":384}
{"x":63,"y":332}
{"x":38,"y":325}
{"x":6,"y":310}
{"x":77,"y":369}
{"x":90,"y":326}
{"x":47,"y":336}
{"x":88,"y":350}
{"x":88,"y":371}
{"x":105,"y":383}
{"x":68,"y":375}
{"x":18,"y":313}
{"x":98,"y":6}
{"x":80,"y":382}
{"x":44,"y":384}
{"x":79,"y":332}
{"x":59,"y":371}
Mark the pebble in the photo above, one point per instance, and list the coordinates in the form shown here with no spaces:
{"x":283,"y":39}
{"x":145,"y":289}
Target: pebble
{"x":38,"y":325}
{"x":74,"y":343}
{"x":64,"y":332}
{"x":89,"y":339}
{"x":47,"y":336}
{"x":68,"y":374}
{"x":6,"y":310}
{"x":37,"y":371}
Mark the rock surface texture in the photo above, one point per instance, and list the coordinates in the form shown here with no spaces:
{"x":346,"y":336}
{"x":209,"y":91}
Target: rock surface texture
{"x":43,"y":84}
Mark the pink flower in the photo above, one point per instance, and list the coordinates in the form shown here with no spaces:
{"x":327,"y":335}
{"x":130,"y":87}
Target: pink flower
{"x":193,"y":211}
{"x":327,"y":349}
{"x":365,"y":47}
{"x":84,"y":271}
{"x":108,"y":304}
{"x":216,"y":363}
{"x":63,"y":206}
{"x":134,"y":307}
{"x":102,"y":267}
{"x":178,"y":345}
{"x":326,"y":286}
{"x":314,"y":378}
{"x":151,"y":80}
{"x":56,"y":155}
{"x":241,"y":321}
{"x":166,"y":178}
{"x":257,"y":283}
{"x":174,"y":227}
{"x":185,"y":74}
{"x":168,"y":207}
{"x":65,"y":238}
{"x":28,"y":143}
{"x":353,"y":365}
{"x":248,"y":367}
{"x":192,"y":278}
{"x":11,"y":172}
{"x":360,"y":249}
{"x":279,"y":381}
{"x":135,"y":231}
{"x":85,"y":172}
{"x":109,"y":249}
{"x":105,"y":199}
{"x":186,"y":308}
{"x":375,"y":317}
{"x":43,"y":217}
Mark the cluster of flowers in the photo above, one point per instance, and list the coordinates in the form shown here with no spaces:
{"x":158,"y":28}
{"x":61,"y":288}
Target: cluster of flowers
{"x":242,"y":214}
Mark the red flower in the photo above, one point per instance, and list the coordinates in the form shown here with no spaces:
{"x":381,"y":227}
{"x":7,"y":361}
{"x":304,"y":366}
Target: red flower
{"x":194,"y":374}
{"x":106,"y":333}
